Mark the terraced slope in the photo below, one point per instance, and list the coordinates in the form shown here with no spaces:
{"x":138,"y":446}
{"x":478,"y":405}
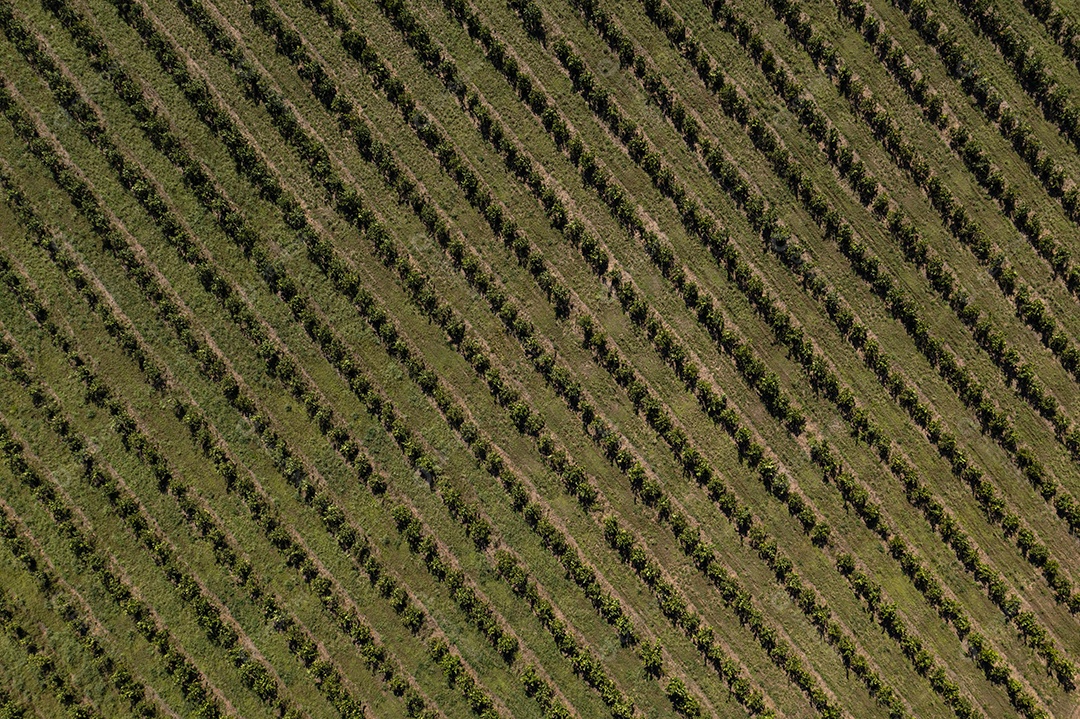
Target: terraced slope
{"x":574,"y":358}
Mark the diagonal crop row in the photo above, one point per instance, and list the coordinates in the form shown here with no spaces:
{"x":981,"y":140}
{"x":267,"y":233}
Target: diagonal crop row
{"x":205,"y":699}
{"x":627,"y":53}
{"x":213,"y":367}
{"x":681,"y":699}
{"x":906,"y":156}
{"x":847,"y":323}
{"x":1052,"y":652}
{"x":1027,"y":145}
{"x":954,"y":216}
{"x":290,"y":44}
{"x":1031,"y":71}
{"x":896,"y":385}
{"x":1059,"y":25}
{"x":215,"y":281}
{"x":350,"y":538}
{"x":574,"y":648}
{"x":192,"y":418}
{"x":522,"y":424}
{"x":969,"y":547}
{"x":336,"y":604}
{"x":717,"y":408}
{"x":12,"y":707}
{"x":749,"y":365}
{"x":662,"y":337}
{"x":414,"y":446}
{"x":623,"y":541}
{"x":65,"y":602}
{"x":211,"y":614}
{"x":613,"y":451}
{"x":1059,"y":582}
{"x":914,"y":248}
{"x":665,"y":343}
{"x":693,"y":547}
{"x":949,"y":610}
{"x":765,"y":383}
{"x":480,"y":611}
{"x":960,"y":63}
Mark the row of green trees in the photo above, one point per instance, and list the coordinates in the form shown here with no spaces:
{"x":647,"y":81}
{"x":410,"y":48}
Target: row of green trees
{"x":616,"y":370}
{"x":916,"y":492}
{"x":46,"y":664}
{"x":870,"y":511}
{"x":978,"y":160}
{"x":749,"y":527}
{"x":916,"y":250}
{"x":707,"y":313}
{"x":674,"y":605}
{"x":543,"y":693}
{"x":778,"y":403}
{"x":766,"y":383}
{"x":835,"y":226}
{"x":991,"y":663}
{"x":11,"y":707}
{"x":282,"y":456}
{"x":1060,"y":26}
{"x":474,"y":187}
{"x":450,"y":662}
{"x":83,"y":543}
{"x":501,"y":643}
{"x":1030,"y":69}
{"x":901,"y":389}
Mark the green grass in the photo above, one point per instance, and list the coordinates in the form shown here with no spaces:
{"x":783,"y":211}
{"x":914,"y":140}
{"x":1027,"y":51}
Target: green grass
{"x":591,"y":297}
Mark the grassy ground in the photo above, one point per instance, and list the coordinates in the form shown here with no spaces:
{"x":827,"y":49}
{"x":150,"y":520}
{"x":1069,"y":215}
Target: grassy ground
{"x":591,"y":296}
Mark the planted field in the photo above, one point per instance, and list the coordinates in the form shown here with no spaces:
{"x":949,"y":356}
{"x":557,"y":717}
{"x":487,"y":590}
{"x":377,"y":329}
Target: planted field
{"x":539,"y":359}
